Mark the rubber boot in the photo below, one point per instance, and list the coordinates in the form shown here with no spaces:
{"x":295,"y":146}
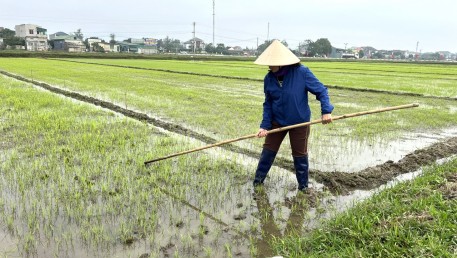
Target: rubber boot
{"x":266,"y":160}
{"x":301,"y":171}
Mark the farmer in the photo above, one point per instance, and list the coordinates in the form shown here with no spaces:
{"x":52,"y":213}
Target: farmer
{"x":286,"y":88}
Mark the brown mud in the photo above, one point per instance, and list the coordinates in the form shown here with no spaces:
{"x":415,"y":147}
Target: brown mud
{"x":372,"y":177}
{"x":336,"y":182}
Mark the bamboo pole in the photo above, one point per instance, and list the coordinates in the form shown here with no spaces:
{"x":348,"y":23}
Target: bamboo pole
{"x":285,"y":128}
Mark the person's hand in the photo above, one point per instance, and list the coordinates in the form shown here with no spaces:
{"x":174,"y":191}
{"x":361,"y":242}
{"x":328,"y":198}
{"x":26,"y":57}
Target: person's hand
{"x":326,"y":118}
{"x":262,"y":133}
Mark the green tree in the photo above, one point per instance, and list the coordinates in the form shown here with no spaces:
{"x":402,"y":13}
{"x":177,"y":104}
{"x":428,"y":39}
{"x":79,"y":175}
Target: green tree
{"x":10,"y":39}
{"x":176,"y":45}
{"x":79,"y":35}
{"x":166,"y":44}
{"x":378,"y":55}
{"x":98,"y":48}
{"x":263,"y":46}
{"x":169,"y":45}
{"x":112,"y":38}
{"x":267,"y":43}
{"x":361,"y":53}
{"x":210,"y":48}
{"x":307,"y":48}
{"x":323,"y":47}
{"x":86,"y":44}
{"x":220,"y":48}
{"x":14,"y":41}
{"x":7,"y":33}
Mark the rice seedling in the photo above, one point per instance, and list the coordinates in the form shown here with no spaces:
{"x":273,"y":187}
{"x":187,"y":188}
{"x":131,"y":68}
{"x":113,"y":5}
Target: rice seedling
{"x":397,"y":77}
{"x":73,"y":175}
{"x":179,"y":99}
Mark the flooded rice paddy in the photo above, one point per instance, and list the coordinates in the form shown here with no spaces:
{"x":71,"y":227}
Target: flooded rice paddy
{"x":204,"y":204}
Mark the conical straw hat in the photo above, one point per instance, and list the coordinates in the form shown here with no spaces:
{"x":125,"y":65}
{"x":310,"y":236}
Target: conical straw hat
{"x":277,"y":54}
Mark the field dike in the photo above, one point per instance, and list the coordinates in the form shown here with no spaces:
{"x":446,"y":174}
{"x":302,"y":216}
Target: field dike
{"x":341,"y":183}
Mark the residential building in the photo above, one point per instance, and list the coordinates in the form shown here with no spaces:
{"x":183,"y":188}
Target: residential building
{"x":135,"y":41}
{"x":57,"y":34}
{"x":62,"y":41}
{"x":236,"y":50}
{"x":139,"y":48}
{"x":35,"y":36}
{"x":92,"y":41}
{"x":110,"y":47}
{"x":147,"y":50}
{"x":150,"y":41}
{"x":194,"y":45}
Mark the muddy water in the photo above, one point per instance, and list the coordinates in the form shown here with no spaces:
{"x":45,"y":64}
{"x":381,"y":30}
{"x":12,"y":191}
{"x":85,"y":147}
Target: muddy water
{"x":8,"y":245}
{"x":352,"y":156}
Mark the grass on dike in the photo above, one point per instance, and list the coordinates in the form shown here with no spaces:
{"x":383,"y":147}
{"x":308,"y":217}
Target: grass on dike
{"x":413,"y":219}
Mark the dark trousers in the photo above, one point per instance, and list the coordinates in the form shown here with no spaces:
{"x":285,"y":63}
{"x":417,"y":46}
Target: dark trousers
{"x":298,"y":140}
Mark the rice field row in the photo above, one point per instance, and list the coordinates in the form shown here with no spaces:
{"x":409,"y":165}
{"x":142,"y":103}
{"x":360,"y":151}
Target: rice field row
{"x":204,"y":104}
{"x":430,"y":80}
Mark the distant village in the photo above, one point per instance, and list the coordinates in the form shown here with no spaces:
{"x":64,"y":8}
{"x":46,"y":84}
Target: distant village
{"x":32,"y":37}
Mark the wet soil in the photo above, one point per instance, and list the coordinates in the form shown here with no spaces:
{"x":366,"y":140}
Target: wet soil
{"x":372,"y":177}
{"x":449,"y":188}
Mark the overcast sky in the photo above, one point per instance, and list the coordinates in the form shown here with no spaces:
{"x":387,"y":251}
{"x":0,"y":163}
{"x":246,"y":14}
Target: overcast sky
{"x":386,"y":24}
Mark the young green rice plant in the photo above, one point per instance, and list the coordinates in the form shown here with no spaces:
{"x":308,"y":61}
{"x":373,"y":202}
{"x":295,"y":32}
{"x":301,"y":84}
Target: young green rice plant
{"x":208,"y":252}
{"x":395,"y":77}
{"x":228,"y":250}
{"x":179,"y":98}
{"x":89,"y":161}
{"x":223,"y":104}
{"x":89,"y":175}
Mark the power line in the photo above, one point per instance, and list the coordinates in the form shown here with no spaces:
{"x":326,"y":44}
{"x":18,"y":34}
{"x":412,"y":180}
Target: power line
{"x":214,"y":20}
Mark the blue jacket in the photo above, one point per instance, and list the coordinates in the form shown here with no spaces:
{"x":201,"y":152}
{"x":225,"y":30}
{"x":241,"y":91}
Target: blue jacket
{"x":288,"y":104}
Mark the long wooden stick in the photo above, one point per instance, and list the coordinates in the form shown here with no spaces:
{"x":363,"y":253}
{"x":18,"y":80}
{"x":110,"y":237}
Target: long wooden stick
{"x":285,"y":128}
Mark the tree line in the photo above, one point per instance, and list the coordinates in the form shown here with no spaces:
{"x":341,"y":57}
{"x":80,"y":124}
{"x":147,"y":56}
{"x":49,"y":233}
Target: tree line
{"x":320,"y":47}
{"x":10,"y":39}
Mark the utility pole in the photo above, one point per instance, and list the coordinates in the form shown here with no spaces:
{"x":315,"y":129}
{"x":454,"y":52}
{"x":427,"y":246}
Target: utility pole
{"x":193,"y":39}
{"x":417,"y":46}
{"x":268,"y":32}
{"x":345,"y":44}
{"x":214,"y":20}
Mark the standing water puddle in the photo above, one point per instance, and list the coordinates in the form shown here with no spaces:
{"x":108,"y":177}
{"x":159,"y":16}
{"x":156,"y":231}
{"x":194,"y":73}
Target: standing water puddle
{"x":344,"y":156}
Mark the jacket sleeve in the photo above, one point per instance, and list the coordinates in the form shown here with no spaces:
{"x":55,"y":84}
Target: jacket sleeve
{"x":317,"y":88}
{"x":267,"y":113}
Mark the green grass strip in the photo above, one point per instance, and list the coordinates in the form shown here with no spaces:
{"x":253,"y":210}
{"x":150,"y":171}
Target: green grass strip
{"x":413,"y":219}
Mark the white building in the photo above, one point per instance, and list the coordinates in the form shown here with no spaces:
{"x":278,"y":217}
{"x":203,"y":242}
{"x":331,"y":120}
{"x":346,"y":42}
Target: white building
{"x":110,"y":47}
{"x":34,"y":35}
{"x":194,"y":44}
{"x":92,"y":42}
